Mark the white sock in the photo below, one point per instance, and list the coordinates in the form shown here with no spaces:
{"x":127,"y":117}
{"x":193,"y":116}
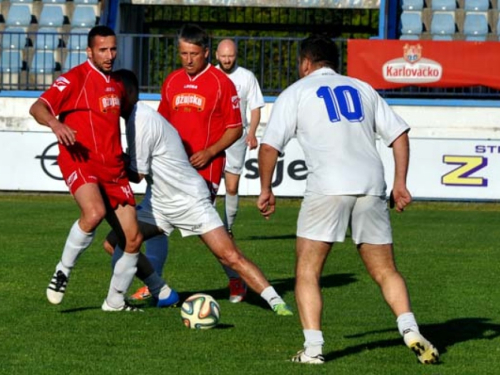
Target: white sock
{"x":157,"y":252}
{"x":76,"y":243}
{"x":155,"y":284}
{"x":271,"y":296}
{"x":230,"y":210}
{"x":123,"y":274}
{"x":314,"y":342}
{"x":407,"y":321}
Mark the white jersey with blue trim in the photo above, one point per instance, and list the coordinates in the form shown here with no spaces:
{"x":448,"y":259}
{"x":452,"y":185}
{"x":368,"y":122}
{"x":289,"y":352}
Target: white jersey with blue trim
{"x":156,"y":151}
{"x":248,"y":90}
{"x":336,"y":120}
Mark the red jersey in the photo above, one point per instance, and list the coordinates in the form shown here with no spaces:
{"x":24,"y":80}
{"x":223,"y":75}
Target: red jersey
{"x":88,"y":101}
{"x":201,"y":108}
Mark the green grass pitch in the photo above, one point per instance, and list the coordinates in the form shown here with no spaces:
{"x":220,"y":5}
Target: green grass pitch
{"x":449,"y":254}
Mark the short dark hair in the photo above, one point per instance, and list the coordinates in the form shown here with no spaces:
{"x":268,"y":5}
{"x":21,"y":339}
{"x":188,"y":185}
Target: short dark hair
{"x":320,"y":49}
{"x":99,"y":30}
{"x":128,"y":78}
{"x":194,"y":34}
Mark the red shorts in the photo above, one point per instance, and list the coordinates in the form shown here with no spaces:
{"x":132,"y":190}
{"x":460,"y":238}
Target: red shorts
{"x":111,"y":180}
{"x":212,"y":174}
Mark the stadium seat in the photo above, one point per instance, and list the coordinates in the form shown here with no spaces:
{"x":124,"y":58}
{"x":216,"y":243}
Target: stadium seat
{"x":53,"y":1}
{"x":86,"y":1}
{"x":73,"y":58}
{"x":43,"y":63}
{"x":475,"y":24}
{"x":83,"y":16}
{"x":409,"y":37}
{"x":498,"y":26}
{"x":52,"y":15}
{"x":19,"y":15}
{"x":476,"y":5}
{"x":443,"y":23}
{"x":475,"y":38}
{"x":444,"y":5}
{"x":78,"y":38}
{"x":442,"y":37}
{"x":412,"y":4}
{"x":11,"y":62}
{"x":21,"y":1}
{"x":411,"y":23}
{"x":14,"y":38}
{"x":47,"y":38}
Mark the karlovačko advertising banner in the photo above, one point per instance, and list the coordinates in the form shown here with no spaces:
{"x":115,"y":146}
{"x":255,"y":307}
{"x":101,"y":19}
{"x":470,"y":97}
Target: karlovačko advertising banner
{"x":387,"y":64}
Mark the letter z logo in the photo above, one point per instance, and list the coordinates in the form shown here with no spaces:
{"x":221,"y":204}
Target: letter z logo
{"x":461,"y":176}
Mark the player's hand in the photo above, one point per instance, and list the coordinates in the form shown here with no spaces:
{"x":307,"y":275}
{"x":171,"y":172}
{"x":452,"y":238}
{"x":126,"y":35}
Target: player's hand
{"x":266,"y":203}
{"x":200,"y":159}
{"x":252,"y":142}
{"x":400,"y":198}
{"x":65,"y":135}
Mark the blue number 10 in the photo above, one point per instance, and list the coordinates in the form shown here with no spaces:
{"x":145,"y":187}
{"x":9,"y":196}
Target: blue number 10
{"x":343,"y":100}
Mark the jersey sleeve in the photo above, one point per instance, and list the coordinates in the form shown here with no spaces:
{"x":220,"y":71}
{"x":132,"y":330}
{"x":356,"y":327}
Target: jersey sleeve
{"x":164,"y":107}
{"x":282,"y":124}
{"x":230,"y":103}
{"x":60,"y":96}
{"x":255,"y":98}
{"x":388,"y":124}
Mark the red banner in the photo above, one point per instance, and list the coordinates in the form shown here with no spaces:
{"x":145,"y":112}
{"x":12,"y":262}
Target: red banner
{"x":387,"y":64}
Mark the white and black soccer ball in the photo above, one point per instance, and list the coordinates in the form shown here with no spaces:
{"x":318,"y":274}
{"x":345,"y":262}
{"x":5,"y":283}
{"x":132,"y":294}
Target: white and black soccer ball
{"x":200,"y":311}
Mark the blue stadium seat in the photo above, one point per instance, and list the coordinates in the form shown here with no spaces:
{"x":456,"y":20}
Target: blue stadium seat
{"x":21,"y":1}
{"x":43,"y":63}
{"x":47,"y":38}
{"x":73,"y":58}
{"x":444,"y":5}
{"x":476,"y":5}
{"x":475,"y":24}
{"x":498,"y":26}
{"x":412,"y":4}
{"x":12,"y":61}
{"x":83,"y":16}
{"x":442,"y":37}
{"x":78,"y":38}
{"x":14,"y":38}
{"x":52,"y":15}
{"x":53,"y":1}
{"x":475,"y":38}
{"x":411,"y":23}
{"x":443,"y":23}
{"x":19,"y":15}
{"x":409,"y":37}
{"x":86,"y":1}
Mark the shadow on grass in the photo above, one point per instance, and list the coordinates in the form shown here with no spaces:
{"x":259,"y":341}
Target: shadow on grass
{"x":78,"y":309}
{"x":442,"y":336}
{"x":282,"y":286}
{"x":275,"y":237}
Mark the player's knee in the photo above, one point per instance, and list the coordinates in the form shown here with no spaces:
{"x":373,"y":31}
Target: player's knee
{"x":233,"y":259}
{"x":91,"y":218}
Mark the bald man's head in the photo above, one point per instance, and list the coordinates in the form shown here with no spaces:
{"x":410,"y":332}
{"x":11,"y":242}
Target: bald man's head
{"x":226,"y":54}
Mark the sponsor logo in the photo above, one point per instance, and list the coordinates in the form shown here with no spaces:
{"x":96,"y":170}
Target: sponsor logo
{"x":48,"y":162}
{"x":187,"y":101}
{"x":235,"y":101}
{"x":110,"y":89}
{"x":191,"y":86}
{"x":72,"y":178}
{"x":127,"y":191}
{"x":61,"y":83}
{"x":412,"y":67}
{"x":109,"y":103}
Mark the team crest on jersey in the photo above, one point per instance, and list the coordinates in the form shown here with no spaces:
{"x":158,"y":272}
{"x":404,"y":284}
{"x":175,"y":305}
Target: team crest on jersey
{"x":235,"y":101}
{"x":110,"y":103}
{"x":188,"y":100}
{"x":61,"y":83}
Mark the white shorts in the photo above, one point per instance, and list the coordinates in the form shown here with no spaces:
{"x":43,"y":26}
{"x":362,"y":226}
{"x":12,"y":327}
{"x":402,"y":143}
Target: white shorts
{"x":235,"y":155}
{"x":327,"y":217}
{"x":198,"y":219}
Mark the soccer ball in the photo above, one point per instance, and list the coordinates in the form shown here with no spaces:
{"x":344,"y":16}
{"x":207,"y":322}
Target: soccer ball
{"x":200,"y":311}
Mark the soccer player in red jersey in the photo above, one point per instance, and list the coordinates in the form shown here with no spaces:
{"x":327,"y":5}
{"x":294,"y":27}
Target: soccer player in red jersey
{"x":82,"y":108}
{"x":201,"y":102}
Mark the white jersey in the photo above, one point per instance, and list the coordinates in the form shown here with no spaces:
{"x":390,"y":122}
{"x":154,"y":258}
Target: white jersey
{"x":336,"y":120}
{"x":157,"y":152}
{"x":248,"y":90}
